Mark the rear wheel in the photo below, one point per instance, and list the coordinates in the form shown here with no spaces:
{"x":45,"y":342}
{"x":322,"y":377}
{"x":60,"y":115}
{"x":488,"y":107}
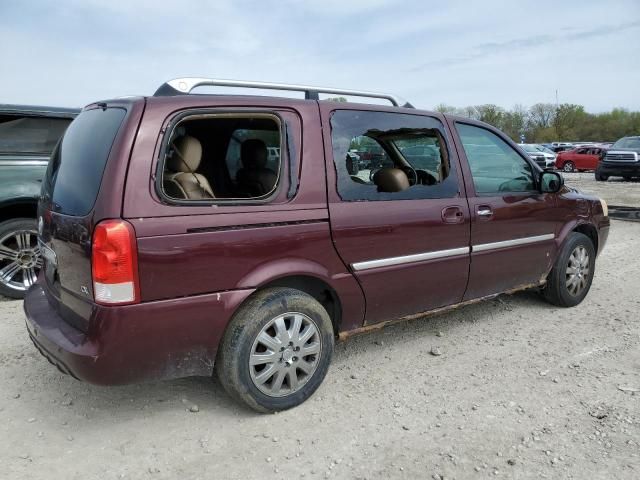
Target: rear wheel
{"x":571,"y":276}
{"x":20,"y":259}
{"x":276,"y":350}
{"x":569,"y":167}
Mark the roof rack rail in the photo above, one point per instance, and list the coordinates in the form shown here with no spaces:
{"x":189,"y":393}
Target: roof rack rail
{"x":184,"y":86}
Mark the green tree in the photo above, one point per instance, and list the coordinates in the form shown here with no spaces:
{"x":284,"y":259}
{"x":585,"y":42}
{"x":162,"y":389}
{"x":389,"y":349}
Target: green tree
{"x":568,"y":120}
{"x":542,"y":114}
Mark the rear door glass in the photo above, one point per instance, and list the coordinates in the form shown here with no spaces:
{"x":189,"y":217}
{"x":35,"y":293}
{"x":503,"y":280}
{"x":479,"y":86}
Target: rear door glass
{"x":77,"y":164}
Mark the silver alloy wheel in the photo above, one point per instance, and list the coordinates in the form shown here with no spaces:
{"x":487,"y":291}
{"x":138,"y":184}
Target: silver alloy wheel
{"x":20,"y":259}
{"x":285,"y":354}
{"x":568,"y":167}
{"x":578,"y":271}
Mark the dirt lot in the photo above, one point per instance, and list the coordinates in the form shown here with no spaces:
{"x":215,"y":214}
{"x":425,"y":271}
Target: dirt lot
{"x":521,"y":390}
{"x":615,"y":191}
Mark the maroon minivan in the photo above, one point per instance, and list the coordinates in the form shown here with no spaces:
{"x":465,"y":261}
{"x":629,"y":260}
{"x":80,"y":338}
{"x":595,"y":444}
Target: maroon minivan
{"x":184,"y":233}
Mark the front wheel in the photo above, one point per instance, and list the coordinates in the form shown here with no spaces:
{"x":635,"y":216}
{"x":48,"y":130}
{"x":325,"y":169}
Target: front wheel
{"x":20,"y":259}
{"x":276,"y":350}
{"x":569,"y":167}
{"x":601,"y":177}
{"x":571,"y":276}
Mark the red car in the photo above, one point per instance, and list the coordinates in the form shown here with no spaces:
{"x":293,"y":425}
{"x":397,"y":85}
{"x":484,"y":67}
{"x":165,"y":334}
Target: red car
{"x":174,"y":245}
{"x":579,"y":159}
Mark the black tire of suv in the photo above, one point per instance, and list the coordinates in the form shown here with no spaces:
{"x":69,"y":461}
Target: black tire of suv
{"x":6,"y":228}
{"x":600,"y":177}
{"x":569,"y":167}
{"x":555,"y":291}
{"x":232,"y":363}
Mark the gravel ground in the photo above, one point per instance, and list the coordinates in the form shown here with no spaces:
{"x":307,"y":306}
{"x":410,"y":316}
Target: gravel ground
{"x":520,"y":389}
{"x":615,"y":191}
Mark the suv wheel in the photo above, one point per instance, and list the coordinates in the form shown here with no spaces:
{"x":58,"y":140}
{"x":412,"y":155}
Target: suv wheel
{"x":569,"y":167}
{"x":601,"y":177}
{"x":20,"y":259}
{"x":276,"y":350}
{"x":571,"y":276}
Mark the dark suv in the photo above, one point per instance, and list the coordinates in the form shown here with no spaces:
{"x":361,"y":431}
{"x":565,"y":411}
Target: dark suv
{"x":175,"y":245}
{"x":621,"y":160}
{"x":27,"y":137}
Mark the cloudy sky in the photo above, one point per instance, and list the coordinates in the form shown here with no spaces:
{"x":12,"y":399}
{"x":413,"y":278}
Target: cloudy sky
{"x":69,"y":53}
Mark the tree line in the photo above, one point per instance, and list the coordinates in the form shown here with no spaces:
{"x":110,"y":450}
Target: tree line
{"x":546,"y":122}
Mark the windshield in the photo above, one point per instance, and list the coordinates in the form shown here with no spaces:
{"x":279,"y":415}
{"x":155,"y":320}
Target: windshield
{"x":628,"y":142}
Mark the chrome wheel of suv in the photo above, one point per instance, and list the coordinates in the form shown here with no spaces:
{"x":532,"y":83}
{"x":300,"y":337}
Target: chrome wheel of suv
{"x":569,"y":167}
{"x":570,"y":278}
{"x":20,"y":259}
{"x":578,"y":270}
{"x":276,"y":350}
{"x":285,"y":354}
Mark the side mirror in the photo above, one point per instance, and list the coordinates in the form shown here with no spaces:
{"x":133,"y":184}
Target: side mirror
{"x":550,"y":182}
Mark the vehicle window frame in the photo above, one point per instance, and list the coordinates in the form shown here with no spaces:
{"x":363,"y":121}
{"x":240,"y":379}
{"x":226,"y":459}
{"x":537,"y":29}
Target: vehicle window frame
{"x":449,"y":187}
{"x":535,"y":169}
{"x":284,"y":128}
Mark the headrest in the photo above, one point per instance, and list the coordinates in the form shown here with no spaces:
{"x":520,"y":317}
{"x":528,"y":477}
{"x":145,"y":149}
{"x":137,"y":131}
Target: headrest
{"x":253,"y":154}
{"x":187,"y":153}
{"x":391,"y":180}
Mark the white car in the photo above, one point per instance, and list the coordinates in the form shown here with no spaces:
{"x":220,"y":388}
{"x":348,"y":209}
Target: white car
{"x":534,"y":148}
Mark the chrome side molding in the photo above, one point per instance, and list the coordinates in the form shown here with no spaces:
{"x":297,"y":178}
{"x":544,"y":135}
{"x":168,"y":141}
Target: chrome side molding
{"x":418,"y":257}
{"x":438,"y":254}
{"x":512,"y":243}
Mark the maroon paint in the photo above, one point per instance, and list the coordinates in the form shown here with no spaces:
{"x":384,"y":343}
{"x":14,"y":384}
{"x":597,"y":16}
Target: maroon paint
{"x":382,"y":229}
{"x":167,"y":339}
{"x":193,"y":282}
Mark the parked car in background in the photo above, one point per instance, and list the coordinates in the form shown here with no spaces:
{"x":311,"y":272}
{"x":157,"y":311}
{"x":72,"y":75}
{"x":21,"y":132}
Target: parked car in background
{"x":621,"y":160}
{"x":561,"y":146}
{"x":535,"y":154}
{"x":168,"y":265}
{"x":579,"y":159}
{"x":534,"y":151}
{"x":27,"y":136}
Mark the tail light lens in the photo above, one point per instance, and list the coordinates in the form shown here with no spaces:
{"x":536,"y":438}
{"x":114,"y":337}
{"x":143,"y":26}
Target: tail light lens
{"x":114,"y":263}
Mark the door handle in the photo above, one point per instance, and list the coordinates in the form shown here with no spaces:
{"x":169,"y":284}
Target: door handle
{"x":484,"y":211}
{"x":452,"y":215}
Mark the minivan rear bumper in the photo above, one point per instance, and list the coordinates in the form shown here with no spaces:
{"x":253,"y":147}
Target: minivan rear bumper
{"x":133,"y":343}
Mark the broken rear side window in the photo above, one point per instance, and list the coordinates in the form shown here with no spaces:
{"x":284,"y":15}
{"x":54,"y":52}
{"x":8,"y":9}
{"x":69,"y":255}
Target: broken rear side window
{"x":223,"y":157}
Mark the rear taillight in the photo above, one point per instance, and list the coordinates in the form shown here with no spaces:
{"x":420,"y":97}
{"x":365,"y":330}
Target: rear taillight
{"x":114,"y":263}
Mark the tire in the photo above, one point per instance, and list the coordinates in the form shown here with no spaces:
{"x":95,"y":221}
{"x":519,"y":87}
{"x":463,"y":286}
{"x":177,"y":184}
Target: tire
{"x":627,"y":178}
{"x":20,"y":259}
{"x":241,"y":344}
{"x":569,"y":271}
{"x":601,"y":177}
{"x":569,"y":167}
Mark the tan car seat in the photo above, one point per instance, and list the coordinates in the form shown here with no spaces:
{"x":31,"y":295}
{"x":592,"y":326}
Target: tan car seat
{"x":180,"y":179}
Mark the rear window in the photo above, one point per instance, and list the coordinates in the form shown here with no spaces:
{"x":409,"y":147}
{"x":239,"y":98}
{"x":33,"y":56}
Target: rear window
{"x":24,"y":135}
{"x":77,"y":164}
